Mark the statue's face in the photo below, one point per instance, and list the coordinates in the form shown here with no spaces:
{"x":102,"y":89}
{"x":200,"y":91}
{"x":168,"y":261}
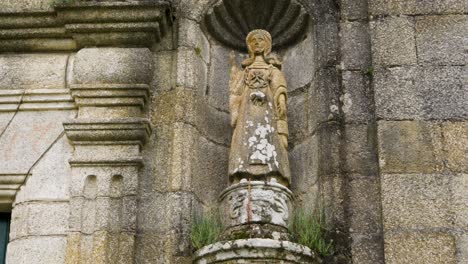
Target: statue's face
{"x":257,"y":44}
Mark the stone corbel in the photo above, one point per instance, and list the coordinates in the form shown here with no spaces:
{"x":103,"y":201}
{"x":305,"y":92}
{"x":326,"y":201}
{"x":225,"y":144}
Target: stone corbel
{"x":73,"y":26}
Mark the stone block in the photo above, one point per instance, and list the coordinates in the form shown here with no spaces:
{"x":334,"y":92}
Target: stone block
{"x":462,"y":248}
{"x":355,"y":45}
{"x":409,"y":147}
{"x":191,"y":70}
{"x":113,"y":65}
{"x":50,"y":176}
{"x":297,"y":66}
{"x":192,"y":9}
{"x":19,"y":221}
{"x":360,"y":150}
{"x":298,"y":108}
{"x":190,"y":35}
{"x":397,"y":95}
{"x":33,"y":70}
{"x":367,"y":249}
{"x":5,"y":119}
{"x":26,"y":5}
{"x":332,"y":197}
{"x":444,"y":92}
{"x":427,"y":248}
{"x":353,"y":9}
{"x":29,"y":135}
{"x":456,"y":145}
{"x":166,"y":212}
{"x":161,"y":248}
{"x":304,"y":164}
{"x":441,"y":40}
{"x":416,"y":7}
{"x":48,"y":218}
{"x":218,"y":83}
{"x":416,"y":201}
{"x":327,"y":46}
{"x":329,"y":149}
{"x":41,"y":249}
{"x":163,"y":79}
{"x":393,"y":41}
{"x":210,"y":168}
{"x":364,"y":206}
{"x":357,"y":98}
{"x":459,"y":201}
{"x":324,"y":98}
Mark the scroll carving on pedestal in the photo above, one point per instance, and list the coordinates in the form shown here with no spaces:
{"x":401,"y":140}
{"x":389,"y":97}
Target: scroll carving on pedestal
{"x":258,"y":94}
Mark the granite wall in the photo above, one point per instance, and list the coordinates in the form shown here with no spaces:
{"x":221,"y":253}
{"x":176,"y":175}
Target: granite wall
{"x":377,"y":114}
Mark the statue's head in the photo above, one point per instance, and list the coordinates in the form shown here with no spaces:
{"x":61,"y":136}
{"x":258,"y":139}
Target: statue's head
{"x":259,"y":42}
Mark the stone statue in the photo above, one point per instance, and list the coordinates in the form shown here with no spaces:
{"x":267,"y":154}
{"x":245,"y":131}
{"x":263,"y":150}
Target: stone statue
{"x":257,"y":103}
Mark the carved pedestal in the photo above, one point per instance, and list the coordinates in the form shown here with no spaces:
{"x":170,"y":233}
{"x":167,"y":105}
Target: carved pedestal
{"x":256,"y":209}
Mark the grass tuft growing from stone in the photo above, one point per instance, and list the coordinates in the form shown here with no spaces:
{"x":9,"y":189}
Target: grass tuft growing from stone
{"x":206,"y":229}
{"x":308,"y":228}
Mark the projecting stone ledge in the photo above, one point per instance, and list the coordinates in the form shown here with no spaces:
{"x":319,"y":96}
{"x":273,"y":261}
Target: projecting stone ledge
{"x":256,"y":250}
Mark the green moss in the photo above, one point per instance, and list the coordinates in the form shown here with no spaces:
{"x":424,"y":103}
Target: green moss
{"x":308,"y":228}
{"x":198,"y":51}
{"x":206,"y":229}
{"x":369,"y":72}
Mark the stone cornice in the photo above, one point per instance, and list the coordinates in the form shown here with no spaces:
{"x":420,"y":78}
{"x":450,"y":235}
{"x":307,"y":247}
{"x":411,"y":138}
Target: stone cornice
{"x":105,"y":131}
{"x":12,"y":100}
{"x":110,"y":94}
{"x":9,"y":186}
{"x":73,"y":26}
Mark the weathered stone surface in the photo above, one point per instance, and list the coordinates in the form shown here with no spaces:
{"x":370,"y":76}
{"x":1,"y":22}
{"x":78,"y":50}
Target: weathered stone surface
{"x":360,"y":150}
{"x":444,"y":91}
{"x":163,"y":79}
{"x":459,"y":201}
{"x":48,"y":218}
{"x":324,"y":98}
{"x":364,"y":205}
{"x":427,"y":248}
{"x":113,"y":65}
{"x":396,"y":94}
{"x":191,"y":70}
{"x":162,"y":248}
{"x":462,"y":248}
{"x":416,"y":201}
{"x":441,"y":40}
{"x":393,"y":41}
{"x":29,"y":135}
{"x":298,"y":108}
{"x":240,"y":251}
{"x":456,"y":145}
{"x":41,"y":249}
{"x":19,"y":221}
{"x":409,"y":147}
{"x":421,"y":93}
{"x":297,"y":66}
{"x":353,"y":9}
{"x":367,"y":249}
{"x":355,"y":45}
{"x":304,"y":168}
{"x":33,"y":70}
{"x":328,"y":42}
{"x":50,"y":177}
{"x":26,"y":5}
{"x":357,"y":98}
{"x":192,"y":9}
{"x":190,"y":35}
{"x":329,"y":136}
{"x":413,"y":7}
{"x":218,"y":83}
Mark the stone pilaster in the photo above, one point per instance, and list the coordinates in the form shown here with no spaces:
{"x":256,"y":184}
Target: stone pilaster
{"x":111,"y":89}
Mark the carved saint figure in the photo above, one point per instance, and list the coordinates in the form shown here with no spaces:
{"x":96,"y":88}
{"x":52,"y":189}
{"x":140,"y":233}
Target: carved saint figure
{"x":258,"y":114}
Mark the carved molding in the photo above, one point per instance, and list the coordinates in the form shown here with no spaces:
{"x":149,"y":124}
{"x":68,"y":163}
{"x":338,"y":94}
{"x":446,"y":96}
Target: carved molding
{"x":104,"y":131}
{"x":73,"y":26}
{"x":229,"y":21}
{"x":110,"y":94}
{"x":9,"y":186}
{"x":12,"y":100}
